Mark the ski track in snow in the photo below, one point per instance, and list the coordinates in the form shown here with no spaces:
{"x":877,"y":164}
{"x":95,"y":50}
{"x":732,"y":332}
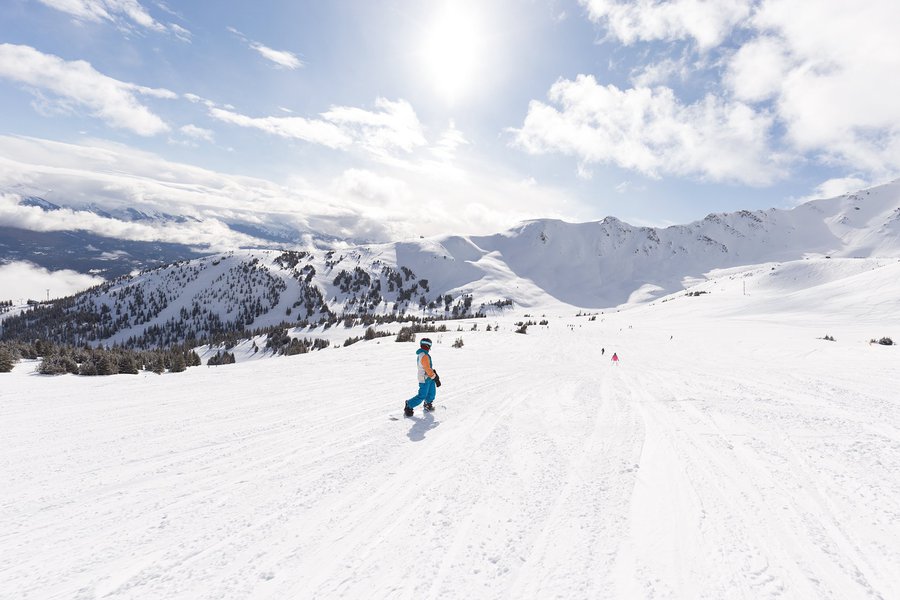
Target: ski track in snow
{"x":698,"y":468}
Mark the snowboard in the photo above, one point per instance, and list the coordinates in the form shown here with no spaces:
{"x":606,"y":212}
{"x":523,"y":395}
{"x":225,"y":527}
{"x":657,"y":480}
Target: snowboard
{"x":402,"y":417}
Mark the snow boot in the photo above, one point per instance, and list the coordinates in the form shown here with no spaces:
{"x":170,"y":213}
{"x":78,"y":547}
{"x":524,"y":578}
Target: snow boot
{"x":429,"y":407}
{"x":407,"y":411}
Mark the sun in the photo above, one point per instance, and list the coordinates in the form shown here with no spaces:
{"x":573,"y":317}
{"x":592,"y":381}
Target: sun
{"x":452,"y":50}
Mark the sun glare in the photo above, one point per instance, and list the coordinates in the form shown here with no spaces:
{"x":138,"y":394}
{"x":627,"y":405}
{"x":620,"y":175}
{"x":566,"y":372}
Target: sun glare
{"x":452,"y":50}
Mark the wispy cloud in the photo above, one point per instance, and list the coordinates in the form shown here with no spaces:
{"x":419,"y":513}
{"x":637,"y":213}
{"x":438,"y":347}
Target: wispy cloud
{"x":310,"y":130}
{"x":281,"y":58}
{"x":77,"y":85}
{"x":125,"y":14}
{"x":393,"y":127}
{"x":197,"y":133}
{"x":450,"y":141}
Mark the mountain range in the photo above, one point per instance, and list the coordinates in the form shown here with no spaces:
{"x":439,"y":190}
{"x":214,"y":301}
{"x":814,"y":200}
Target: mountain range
{"x":596,"y":265}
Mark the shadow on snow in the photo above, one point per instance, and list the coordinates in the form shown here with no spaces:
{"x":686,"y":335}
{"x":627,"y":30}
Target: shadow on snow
{"x":421,"y":426}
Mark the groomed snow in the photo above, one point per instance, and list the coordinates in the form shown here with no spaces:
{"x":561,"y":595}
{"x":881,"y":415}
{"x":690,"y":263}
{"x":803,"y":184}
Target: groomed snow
{"x":731,"y":454}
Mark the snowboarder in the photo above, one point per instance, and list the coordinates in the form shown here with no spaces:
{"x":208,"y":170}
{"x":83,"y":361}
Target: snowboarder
{"x":615,"y":359}
{"x":602,"y":351}
{"x":428,"y":380}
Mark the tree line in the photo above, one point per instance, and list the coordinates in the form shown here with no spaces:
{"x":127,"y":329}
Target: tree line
{"x":58,"y":359}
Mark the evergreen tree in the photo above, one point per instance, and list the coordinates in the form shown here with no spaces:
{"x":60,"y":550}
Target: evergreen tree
{"x":88,"y":368}
{"x":127,"y":364}
{"x":7,"y":359}
{"x":178,"y":364}
{"x":106,"y":363}
{"x":158,"y":363}
{"x":52,"y":365}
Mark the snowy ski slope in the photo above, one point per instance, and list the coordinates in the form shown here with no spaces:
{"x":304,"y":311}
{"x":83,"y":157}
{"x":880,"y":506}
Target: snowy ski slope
{"x":731,"y":454}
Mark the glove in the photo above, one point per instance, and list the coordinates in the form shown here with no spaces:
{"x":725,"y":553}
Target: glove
{"x":437,"y":379}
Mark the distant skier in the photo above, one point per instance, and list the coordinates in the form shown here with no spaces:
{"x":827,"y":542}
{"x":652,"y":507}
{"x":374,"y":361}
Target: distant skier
{"x":428,"y":380}
{"x":615,"y":359}
{"x":602,"y":351}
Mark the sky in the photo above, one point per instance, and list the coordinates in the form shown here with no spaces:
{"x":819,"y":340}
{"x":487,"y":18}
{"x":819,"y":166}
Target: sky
{"x":383,"y":120}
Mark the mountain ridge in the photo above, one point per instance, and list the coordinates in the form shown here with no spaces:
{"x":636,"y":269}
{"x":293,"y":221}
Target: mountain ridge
{"x":595,"y":265}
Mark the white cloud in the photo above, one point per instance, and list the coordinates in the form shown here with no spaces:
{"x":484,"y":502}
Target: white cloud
{"x":123,"y":13}
{"x":197,"y":133}
{"x":180,"y":32}
{"x":23,"y":280}
{"x":381,"y":133}
{"x":837,"y":187}
{"x":109,"y":10}
{"x":627,"y":187}
{"x":299,"y":128}
{"x":394,"y":127}
{"x":76,"y":84}
{"x":372,"y":186}
{"x":650,"y":131}
{"x":33,"y":218}
{"x":584,"y":172}
{"x":707,"y":22}
{"x":757,"y":70}
{"x":379,"y":197}
{"x":797,"y":81}
{"x":281,"y":58}
{"x":831,"y":77}
{"x":449,"y":142}
{"x":423,"y":197}
{"x":115,"y":177}
{"x":661,"y":72}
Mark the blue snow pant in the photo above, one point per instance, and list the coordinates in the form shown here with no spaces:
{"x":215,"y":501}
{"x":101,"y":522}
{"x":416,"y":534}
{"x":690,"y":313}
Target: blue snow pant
{"x":427,"y":391}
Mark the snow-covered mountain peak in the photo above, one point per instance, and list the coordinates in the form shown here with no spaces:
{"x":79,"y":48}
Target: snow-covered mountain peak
{"x":542,"y":262}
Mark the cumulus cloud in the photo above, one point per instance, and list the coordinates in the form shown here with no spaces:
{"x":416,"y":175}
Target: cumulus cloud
{"x":812,"y":90}
{"x":757,"y":70}
{"x":650,"y":131}
{"x":830,"y":78}
{"x":123,"y":13}
{"x":280,"y":58}
{"x":77,"y":85}
{"x":22,"y":280}
{"x":706,"y":22}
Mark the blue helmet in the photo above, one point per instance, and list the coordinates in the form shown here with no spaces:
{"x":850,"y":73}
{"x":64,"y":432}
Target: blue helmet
{"x":425,"y":343}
